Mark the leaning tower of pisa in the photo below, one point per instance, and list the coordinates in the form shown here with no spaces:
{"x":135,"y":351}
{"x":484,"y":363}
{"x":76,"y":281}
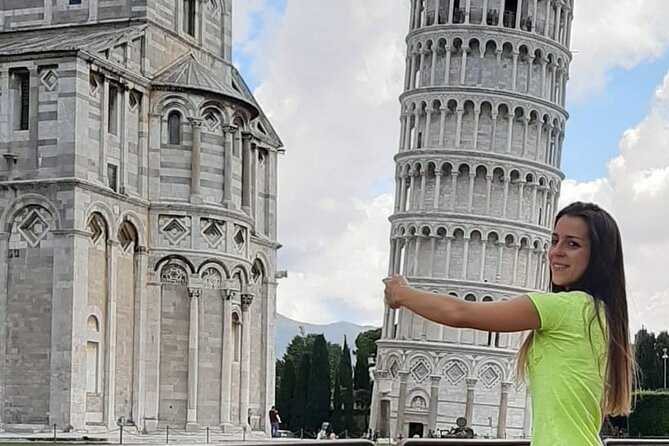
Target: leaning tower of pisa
{"x":478,"y":178}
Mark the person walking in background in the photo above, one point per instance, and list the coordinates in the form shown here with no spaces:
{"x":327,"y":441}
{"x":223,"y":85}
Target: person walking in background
{"x":274,"y":420}
{"x":577,"y":357}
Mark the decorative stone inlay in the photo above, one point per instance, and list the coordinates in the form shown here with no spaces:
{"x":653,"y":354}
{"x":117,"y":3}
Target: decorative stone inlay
{"x":126,"y":238}
{"x":93,"y":84}
{"x":247,"y":300}
{"x":34,"y":228}
{"x":239,"y":238}
{"x":97,"y":230}
{"x":212,"y":6}
{"x":490,"y":375}
{"x":211,"y":279}
{"x":174,"y":275}
{"x":211,"y":120}
{"x":133,"y":100}
{"x":174,"y":230}
{"x":420,"y":370}
{"x":212,"y":231}
{"x":49,"y":79}
{"x":455,"y":372}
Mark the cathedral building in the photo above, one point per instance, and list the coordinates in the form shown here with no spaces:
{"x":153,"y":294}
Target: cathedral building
{"x":478,"y":177}
{"x":138,"y":191}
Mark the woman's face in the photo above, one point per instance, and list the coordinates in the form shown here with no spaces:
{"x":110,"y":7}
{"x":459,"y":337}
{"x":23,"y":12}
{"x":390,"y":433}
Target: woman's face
{"x":569,"y":253}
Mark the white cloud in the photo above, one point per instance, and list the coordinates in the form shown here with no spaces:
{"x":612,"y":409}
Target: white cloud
{"x":636,"y":192}
{"x":331,"y":73}
{"x":618,"y":33}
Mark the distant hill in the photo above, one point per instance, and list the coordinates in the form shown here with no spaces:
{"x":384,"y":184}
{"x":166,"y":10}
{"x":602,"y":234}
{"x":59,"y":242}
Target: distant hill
{"x":287,"y":329}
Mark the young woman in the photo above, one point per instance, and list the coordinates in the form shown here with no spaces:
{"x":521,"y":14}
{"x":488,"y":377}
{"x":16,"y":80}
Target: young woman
{"x":577,"y":356}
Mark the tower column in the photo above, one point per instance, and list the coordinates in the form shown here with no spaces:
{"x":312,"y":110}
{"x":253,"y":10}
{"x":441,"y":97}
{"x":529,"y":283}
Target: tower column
{"x":433,"y":65}
{"x":454,"y":187}
{"x":526,"y":125}
{"x":428,"y":124}
{"x":416,"y":133}
{"x":458,"y":126}
{"x":447,"y":70}
{"x":245,"y":366}
{"x":407,"y":131}
{"x":437,"y":188}
{"x":193,"y":329}
{"x":442,"y":124}
{"x":403,"y":192}
{"x":412,"y":78}
{"x":475,"y":136}
{"x":228,"y":132}
{"x":488,"y":179}
{"x":465,"y":259}
{"x":500,"y":258}
{"x":226,"y":359}
{"x":514,"y":75}
{"x":503,"y":405}
{"x":509,"y":136}
{"x":448,"y":257}
{"x":521,"y":189}
{"x":514,"y":268}
{"x":548,"y":16}
{"x":421,"y":204}
{"x":469,"y":407}
{"x":403,"y":130}
{"x":463,"y":70}
{"x":484,"y":244}
{"x":493,"y":130}
{"x":421,"y":65}
{"x":416,"y":252}
{"x":196,"y":125}
{"x":401,"y":403}
{"x":470,"y":199}
{"x":506,"y":196}
{"x":433,"y":252}
{"x":434,"y":401}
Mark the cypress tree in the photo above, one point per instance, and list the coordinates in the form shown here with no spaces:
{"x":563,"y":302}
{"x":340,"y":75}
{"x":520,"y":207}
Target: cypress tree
{"x":300,"y":395}
{"x":337,"y":413}
{"x":318,"y":399}
{"x":346,"y":380}
{"x":284,"y":397}
{"x":361,"y":383}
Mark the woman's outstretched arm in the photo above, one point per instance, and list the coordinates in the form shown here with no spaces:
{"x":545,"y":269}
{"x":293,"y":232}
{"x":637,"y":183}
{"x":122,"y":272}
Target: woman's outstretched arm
{"x":518,"y":314}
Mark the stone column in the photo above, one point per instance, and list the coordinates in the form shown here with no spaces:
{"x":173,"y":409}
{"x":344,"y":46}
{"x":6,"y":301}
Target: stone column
{"x":433,"y":251}
{"x":33,"y":118}
{"x":123,"y":140}
{"x":412,"y":189}
{"x":469,"y":407}
{"x":548,"y":16}
{"x":401,"y":403}
{"x":141,"y":334}
{"x":544,"y":64}
{"x":442,"y":124}
{"x":519,"y":10}
{"x":403,"y":193}
{"x":195,"y":195}
{"x":509,"y":136}
{"x":247,"y":173}
{"x":407,"y":132}
{"x":503,"y":405}
{"x":467,"y":11}
{"x":470,"y":197}
{"x":434,"y":402}
{"x":110,"y":341}
{"x":228,"y":150}
{"x":463,"y":71}
{"x":488,"y":179}
{"x":465,"y":259}
{"x":526,"y":125}
{"x":521,"y":191}
{"x":226,"y":359}
{"x":421,"y":64}
{"x":500,"y":257}
{"x":448,"y":61}
{"x":454,"y":185}
{"x":458,"y":126}
{"x":493,"y":130}
{"x":528,"y":266}
{"x":484,"y":245}
{"x":403,"y":130}
{"x":193,"y":362}
{"x":514,"y":74}
{"x":245,"y":381}
{"x":514,"y":268}
{"x":412,"y":77}
{"x":428,"y":124}
{"x":421,"y":203}
{"x":506,"y":197}
{"x":4,"y":269}
{"x":414,"y":145}
{"x":556,"y":30}
{"x":437,"y":188}
{"x":448,"y":256}
{"x":485,"y":13}
{"x":475,"y":136}
{"x":416,"y":252}
{"x":433,"y":65}
{"x":104,"y":123}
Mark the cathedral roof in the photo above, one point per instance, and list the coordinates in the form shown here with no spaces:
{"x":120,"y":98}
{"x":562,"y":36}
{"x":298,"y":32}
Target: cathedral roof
{"x":92,"y":39}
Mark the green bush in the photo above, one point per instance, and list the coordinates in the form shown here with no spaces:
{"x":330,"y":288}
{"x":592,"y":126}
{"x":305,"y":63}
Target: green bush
{"x":649,"y":418}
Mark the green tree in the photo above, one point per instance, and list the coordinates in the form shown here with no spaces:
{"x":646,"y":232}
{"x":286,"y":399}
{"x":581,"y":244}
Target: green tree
{"x":661,"y":343}
{"x":305,"y":344}
{"x":299,"y":415}
{"x":365,"y":342}
{"x":285,"y":393}
{"x":646,"y":358}
{"x":337,"y":413}
{"x":346,"y":379}
{"x":318,"y":394}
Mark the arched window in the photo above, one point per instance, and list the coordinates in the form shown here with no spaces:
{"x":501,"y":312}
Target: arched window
{"x":174,"y":128}
{"x":189,"y":17}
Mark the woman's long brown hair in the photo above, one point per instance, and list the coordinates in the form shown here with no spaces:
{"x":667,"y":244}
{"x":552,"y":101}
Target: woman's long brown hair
{"x":604,"y":280}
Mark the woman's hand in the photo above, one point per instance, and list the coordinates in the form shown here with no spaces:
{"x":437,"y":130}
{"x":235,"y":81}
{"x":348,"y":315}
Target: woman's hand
{"x":393,"y":284}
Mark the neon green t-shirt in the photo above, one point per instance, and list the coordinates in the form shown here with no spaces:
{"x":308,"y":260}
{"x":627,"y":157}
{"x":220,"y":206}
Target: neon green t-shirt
{"x":566,"y":369}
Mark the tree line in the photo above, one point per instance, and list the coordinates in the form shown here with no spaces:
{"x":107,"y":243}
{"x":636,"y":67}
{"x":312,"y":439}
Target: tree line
{"x":316,"y":382}
{"x":648,"y":352}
